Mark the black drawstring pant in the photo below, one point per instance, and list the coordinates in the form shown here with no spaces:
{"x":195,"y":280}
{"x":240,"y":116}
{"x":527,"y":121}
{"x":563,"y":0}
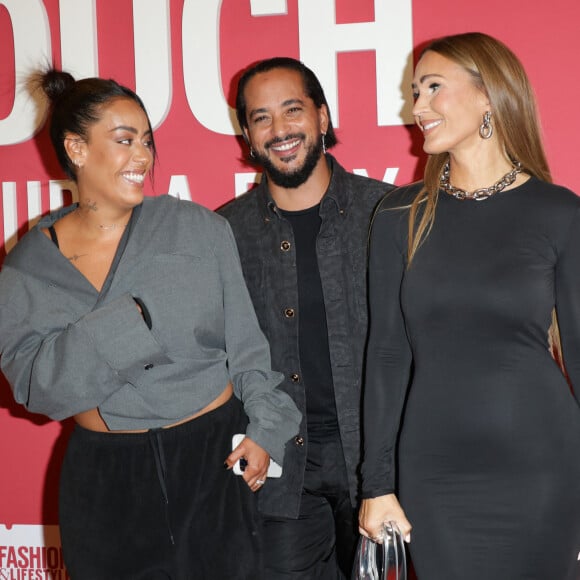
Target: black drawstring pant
{"x":160,"y":504}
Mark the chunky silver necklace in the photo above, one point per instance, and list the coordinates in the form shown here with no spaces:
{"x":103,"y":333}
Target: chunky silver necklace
{"x":482,"y":193}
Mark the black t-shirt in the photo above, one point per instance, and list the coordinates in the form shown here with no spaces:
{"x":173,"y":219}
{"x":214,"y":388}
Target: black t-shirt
{"x":313,"y":333}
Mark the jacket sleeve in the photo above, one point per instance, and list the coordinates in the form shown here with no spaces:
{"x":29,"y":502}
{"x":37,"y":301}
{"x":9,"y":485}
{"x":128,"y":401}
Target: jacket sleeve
{"x":61,"y":371}
{"x":274,"y":417}
{"x":388,"y":359}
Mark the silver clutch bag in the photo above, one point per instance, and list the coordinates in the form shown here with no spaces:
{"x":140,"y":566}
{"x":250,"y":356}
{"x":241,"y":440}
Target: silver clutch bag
{"x":384,"y":561}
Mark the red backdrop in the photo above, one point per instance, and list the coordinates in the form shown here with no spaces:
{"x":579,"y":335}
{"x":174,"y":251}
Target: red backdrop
{"x":183,"y":57}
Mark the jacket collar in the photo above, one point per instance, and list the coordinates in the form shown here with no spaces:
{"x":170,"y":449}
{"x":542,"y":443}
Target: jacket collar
{"x":337,"y":196}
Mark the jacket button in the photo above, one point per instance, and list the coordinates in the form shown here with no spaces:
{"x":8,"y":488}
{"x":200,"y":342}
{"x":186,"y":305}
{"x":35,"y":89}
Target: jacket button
{"x":289,"y":313}
{"x":294,"y":377}
{"x":148,"y":366}
{"x":285,"y":246}
{"x":299,"y":440}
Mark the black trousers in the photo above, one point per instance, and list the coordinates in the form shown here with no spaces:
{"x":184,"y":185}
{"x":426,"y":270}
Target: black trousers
{"x":159,"y":505}
{"x":321,"y":543}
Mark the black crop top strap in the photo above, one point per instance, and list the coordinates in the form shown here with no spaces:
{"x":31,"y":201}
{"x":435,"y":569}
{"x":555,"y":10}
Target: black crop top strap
{"x":53,"y":235}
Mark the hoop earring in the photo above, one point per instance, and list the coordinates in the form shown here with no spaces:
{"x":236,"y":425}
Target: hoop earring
{"x":486,"y":128}
{"x":323,"y":143}
{"x":252,"y":153}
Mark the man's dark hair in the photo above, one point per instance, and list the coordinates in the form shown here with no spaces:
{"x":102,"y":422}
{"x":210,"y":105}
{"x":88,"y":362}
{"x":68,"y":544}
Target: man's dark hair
{"x":312,"y":88}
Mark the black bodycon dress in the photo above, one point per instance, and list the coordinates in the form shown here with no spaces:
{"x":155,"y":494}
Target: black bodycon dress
{"x":467,"y":416}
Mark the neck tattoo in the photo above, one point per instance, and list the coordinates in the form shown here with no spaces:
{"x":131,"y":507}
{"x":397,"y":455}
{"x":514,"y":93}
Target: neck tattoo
{"x":112,"y":226}
{"x":91,"y":206}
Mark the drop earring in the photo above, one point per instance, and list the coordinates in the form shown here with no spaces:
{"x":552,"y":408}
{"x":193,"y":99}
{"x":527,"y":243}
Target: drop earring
{"x":486,"y":128}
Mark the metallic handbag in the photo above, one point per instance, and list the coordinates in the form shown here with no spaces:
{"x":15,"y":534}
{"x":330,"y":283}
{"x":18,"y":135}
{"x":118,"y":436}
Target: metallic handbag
{"x":384,"y":561}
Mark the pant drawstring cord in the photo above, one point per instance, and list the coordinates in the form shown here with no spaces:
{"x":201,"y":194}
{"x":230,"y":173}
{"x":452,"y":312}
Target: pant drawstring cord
{"x":159,"y":456}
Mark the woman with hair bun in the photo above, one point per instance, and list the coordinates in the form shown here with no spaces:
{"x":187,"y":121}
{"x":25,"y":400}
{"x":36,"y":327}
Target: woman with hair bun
{"x":469,"y":419}
{"x":131,"y":315}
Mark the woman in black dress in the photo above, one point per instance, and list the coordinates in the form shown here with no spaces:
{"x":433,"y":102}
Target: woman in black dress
{"x":463,"y":394}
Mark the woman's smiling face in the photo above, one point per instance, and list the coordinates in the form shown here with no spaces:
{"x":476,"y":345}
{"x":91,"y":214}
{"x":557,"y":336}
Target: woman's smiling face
{"x":449,"y":106}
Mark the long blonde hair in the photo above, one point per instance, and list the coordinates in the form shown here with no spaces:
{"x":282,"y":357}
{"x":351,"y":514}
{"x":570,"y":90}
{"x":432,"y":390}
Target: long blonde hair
{"x":496,"y":71}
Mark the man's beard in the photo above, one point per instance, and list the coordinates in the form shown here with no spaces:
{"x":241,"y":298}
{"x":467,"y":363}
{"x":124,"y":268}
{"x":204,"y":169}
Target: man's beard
{"x":296,"y":177}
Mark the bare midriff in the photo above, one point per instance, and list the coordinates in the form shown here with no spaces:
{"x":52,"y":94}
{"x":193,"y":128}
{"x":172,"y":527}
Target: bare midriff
{"x":93,"y":421}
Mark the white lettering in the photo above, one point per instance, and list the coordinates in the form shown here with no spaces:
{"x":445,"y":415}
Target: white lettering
{"x":78,"y":37}
{"x":78,"y":22}
{"x":390,"y":36}
{"x":31,"y":47}
{"x":34,"y":202}
{"x":10,"y":214}
{"x":389,"y":176}
{"x":153,"y":57}
{"x":201,"y":67}
{"x":268,"y":7}
{"x":179,"y":187}
{"x":9,"y":208}
{"x":56,"y":189}
{"x":243,"y":181}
